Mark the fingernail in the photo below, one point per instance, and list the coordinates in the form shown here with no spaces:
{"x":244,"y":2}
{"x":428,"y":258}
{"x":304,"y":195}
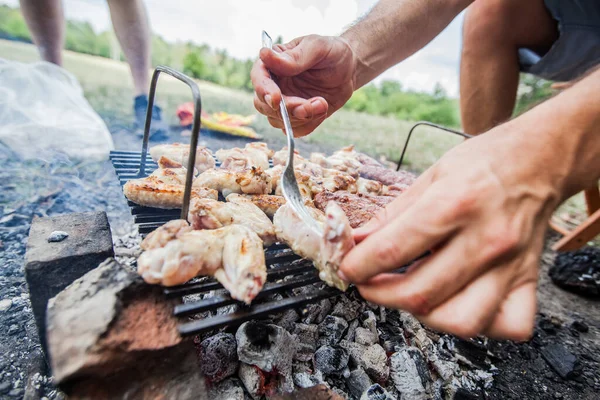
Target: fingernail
{"x":318,"y":107}
{"x":269,"y":100}
{"x":341,"y":275}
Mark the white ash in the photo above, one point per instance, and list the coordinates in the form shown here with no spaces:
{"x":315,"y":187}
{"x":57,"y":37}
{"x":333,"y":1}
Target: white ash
{"x":306,"y":340}
{"x":331,"y":330}
{"x":376,"y":392}
{"x":365,"y":336}
{"x":331,"y":360}
{"x":410,"y":374}
{"x":370,"y":321}
{"x":251,"y":378}
{"x":358,"y":382}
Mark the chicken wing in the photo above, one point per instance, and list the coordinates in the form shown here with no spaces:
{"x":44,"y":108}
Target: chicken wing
{"x":304,"y":181}
{"x":233,"y":255}
{"x":179,"y":153}
{"x":164,"y":188}
{"x":165,"y":233}
{"x":368,"y":186}
{"x":325,"y":251}
{"x":268,"y":203}
{"x":212,"y":214}
{"x":250,"y":181}
{"x":255,"y":154}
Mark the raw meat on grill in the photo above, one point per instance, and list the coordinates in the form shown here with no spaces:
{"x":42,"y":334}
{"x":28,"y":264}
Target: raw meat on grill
{"x":213,"y":214}
{"x":344,"y":160}
{"x":255,"y":154}
{"x":164,"y":234}
{"x":387,"y":176}
{"x":179,"y":153}
{"x":268,"y":203}
{"x":249,"y":181}
{"x":359,"y":208}
{"x":163,"y":189}
{"x":232,"y":254}
{"x":281,"y":157}
{"x":327,"y":250}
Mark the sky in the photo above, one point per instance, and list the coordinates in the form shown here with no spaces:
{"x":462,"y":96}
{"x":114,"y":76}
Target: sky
{"x":235,"y":25}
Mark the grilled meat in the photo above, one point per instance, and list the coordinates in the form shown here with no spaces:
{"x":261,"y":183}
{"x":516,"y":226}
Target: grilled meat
{"x":368,"y":186}
{"x":325,"y":251}
{"x":304,"y":181}
{"x":233,"y":255}
{"x":387,"y":176}
{"x":345,"y":160}
{"x":268,"y":203}
{"x":281,"y":157}
{"x":255,"y":154}
{"x":359,"y":208}
{"x":164,"y":234}
{"x":179,"y":153}
{"x":213,"y":214}
{"x":249,"y":181}
{"x":164,"y":188}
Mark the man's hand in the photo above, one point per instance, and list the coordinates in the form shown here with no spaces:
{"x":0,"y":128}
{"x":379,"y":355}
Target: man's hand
{"x":482,"y":210}
{"x":315,"y":74}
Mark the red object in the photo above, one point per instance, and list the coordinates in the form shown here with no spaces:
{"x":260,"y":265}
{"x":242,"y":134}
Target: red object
{"x":185,"y":113}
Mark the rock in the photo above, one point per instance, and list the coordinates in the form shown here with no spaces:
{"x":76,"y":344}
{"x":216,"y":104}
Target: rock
{"x":580,"y":326}
{"x":331,"y":330}
{"x":365,"y":336}
{"x":331,"y":360}
{"x":306,"y":341}
{"x":376,"y":392}
{"x":57,"y":236}
{"x":230,"y":389}
{"x":374,"y":361}
{"x":358,"y":382}
{"x":318,"y":392}
{"x":578,"y":271}
{"x":110,"y":326}
{"x":51,"y":267}
{"x":218,"y":356}
{"x":562,"y":361}
{"x":5,"y":305}
{"x":267,"y":346}
{"x":410,"y":374}
{"x":253,"y":380}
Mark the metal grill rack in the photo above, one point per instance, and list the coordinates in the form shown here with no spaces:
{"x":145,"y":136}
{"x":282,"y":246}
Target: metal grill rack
{"x":287,"y":274}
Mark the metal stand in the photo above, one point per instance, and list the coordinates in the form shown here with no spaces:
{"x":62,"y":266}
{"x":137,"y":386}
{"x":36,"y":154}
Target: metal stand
{"x":443,"y":128}
{"x":195,"y":130}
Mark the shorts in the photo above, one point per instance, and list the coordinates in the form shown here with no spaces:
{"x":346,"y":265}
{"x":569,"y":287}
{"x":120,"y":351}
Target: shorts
{"x":577,"y":48}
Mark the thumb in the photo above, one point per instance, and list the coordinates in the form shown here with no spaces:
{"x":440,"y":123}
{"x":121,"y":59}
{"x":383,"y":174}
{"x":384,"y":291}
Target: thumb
{"x":299,"y":55}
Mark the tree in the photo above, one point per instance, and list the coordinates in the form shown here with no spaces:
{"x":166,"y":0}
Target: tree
{"x":439,"y":93}
{"x":389,"y":87}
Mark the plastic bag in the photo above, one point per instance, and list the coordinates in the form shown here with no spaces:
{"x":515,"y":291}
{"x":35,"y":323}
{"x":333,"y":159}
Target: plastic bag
{"x":43,"y":111}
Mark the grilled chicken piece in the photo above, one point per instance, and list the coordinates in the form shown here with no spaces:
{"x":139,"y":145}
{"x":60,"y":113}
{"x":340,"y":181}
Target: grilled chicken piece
{"x":255,"y":154}
{"x":304,"y":181}
{"x":345,"y":160}
{"x":268,"y":203}
{"x":281,"y":157}
{"x":368,"y":186}
{"x":212,"y":214}
{"x":325,"y":251}
{"x":359,"y":208}
{"x":165,"y":233}
{"x":179,"y":153}
{"x":164,"y":188}
{"x":233,"y":255}
{"x":387,"y":176}
{"x":249,"y":181}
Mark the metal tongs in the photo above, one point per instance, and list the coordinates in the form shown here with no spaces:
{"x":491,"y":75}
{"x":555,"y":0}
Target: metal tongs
{"x":289,"y":184}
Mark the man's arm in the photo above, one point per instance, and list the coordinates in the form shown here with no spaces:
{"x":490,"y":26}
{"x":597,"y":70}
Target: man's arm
{"x":394,"y":30}
{"x":483,"y":209}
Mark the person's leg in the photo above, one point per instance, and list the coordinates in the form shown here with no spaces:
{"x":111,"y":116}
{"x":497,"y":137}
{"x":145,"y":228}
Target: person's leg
{"x":46,"y":23}
{"x":133,"y":31}
{"x":493,"y":32}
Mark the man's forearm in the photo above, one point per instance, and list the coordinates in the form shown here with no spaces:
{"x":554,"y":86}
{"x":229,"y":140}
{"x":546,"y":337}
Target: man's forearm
{"x":394,"y":30}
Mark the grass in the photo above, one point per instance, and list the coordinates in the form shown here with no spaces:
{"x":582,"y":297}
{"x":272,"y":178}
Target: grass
{"x":108,"y":87}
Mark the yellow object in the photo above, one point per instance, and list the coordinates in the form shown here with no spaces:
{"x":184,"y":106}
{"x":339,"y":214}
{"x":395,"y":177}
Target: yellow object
{"x":216,"y":125}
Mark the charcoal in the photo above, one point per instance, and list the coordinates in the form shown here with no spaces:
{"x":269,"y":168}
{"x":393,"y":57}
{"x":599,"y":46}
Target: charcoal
{"x":347,"y":309}
{"x":218,"y":356}
{"x":287,"y":319}
{"x":394,"y":343}
{"x":306,"y":380}
{"x":5,"y":305}
{"x":485,"y":379}
{"x":365,"y":337}
{"x":376,"y":392}
{"x":267,"y":346}
{"x":548,"y":326}
{"x":354,"y":350}
{"x":331,"y":360}
{"x":318,"y":392}
{"x":374,"y":361}
{"x":57,"y":236}
{"x":306,"y":341}
{"x":410,"y":374}
{"x":316,"y":313}
{"x":331,"y":330}
{"x":358,"y":382}
{"x":369,"y":321}
{"x":578,"y":271}
{"x":350,"y":333}
{"x":561,"y":360}
{"x":580,"y":326}
{"x":230,"y":389}
{"x":464,"y":394}
{"x":472,"y":351}
{"x":252,"y":379}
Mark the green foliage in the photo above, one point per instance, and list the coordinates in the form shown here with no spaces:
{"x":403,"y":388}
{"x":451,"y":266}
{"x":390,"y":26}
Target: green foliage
{"x":388,"y":98}
{"x":532,"y":91}
{"x":12,"y":23}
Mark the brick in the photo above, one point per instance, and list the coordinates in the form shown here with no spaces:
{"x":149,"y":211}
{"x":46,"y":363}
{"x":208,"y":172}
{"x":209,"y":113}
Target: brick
{"x":52,"y":266}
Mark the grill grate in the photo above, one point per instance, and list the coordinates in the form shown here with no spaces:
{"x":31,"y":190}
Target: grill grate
{"x":287,"y":274}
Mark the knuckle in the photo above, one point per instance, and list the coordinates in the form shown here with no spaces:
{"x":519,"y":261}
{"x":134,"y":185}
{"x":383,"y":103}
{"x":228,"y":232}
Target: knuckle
{"x":417,"y":303}
{"x":386,"y":252}
{"x":501,"y":241}
{"x":460,"y":206}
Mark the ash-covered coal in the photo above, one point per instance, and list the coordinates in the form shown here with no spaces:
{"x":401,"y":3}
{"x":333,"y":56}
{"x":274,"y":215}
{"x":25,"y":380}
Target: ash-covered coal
{"x":578,"y":271}
{"x":218,"y":356}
